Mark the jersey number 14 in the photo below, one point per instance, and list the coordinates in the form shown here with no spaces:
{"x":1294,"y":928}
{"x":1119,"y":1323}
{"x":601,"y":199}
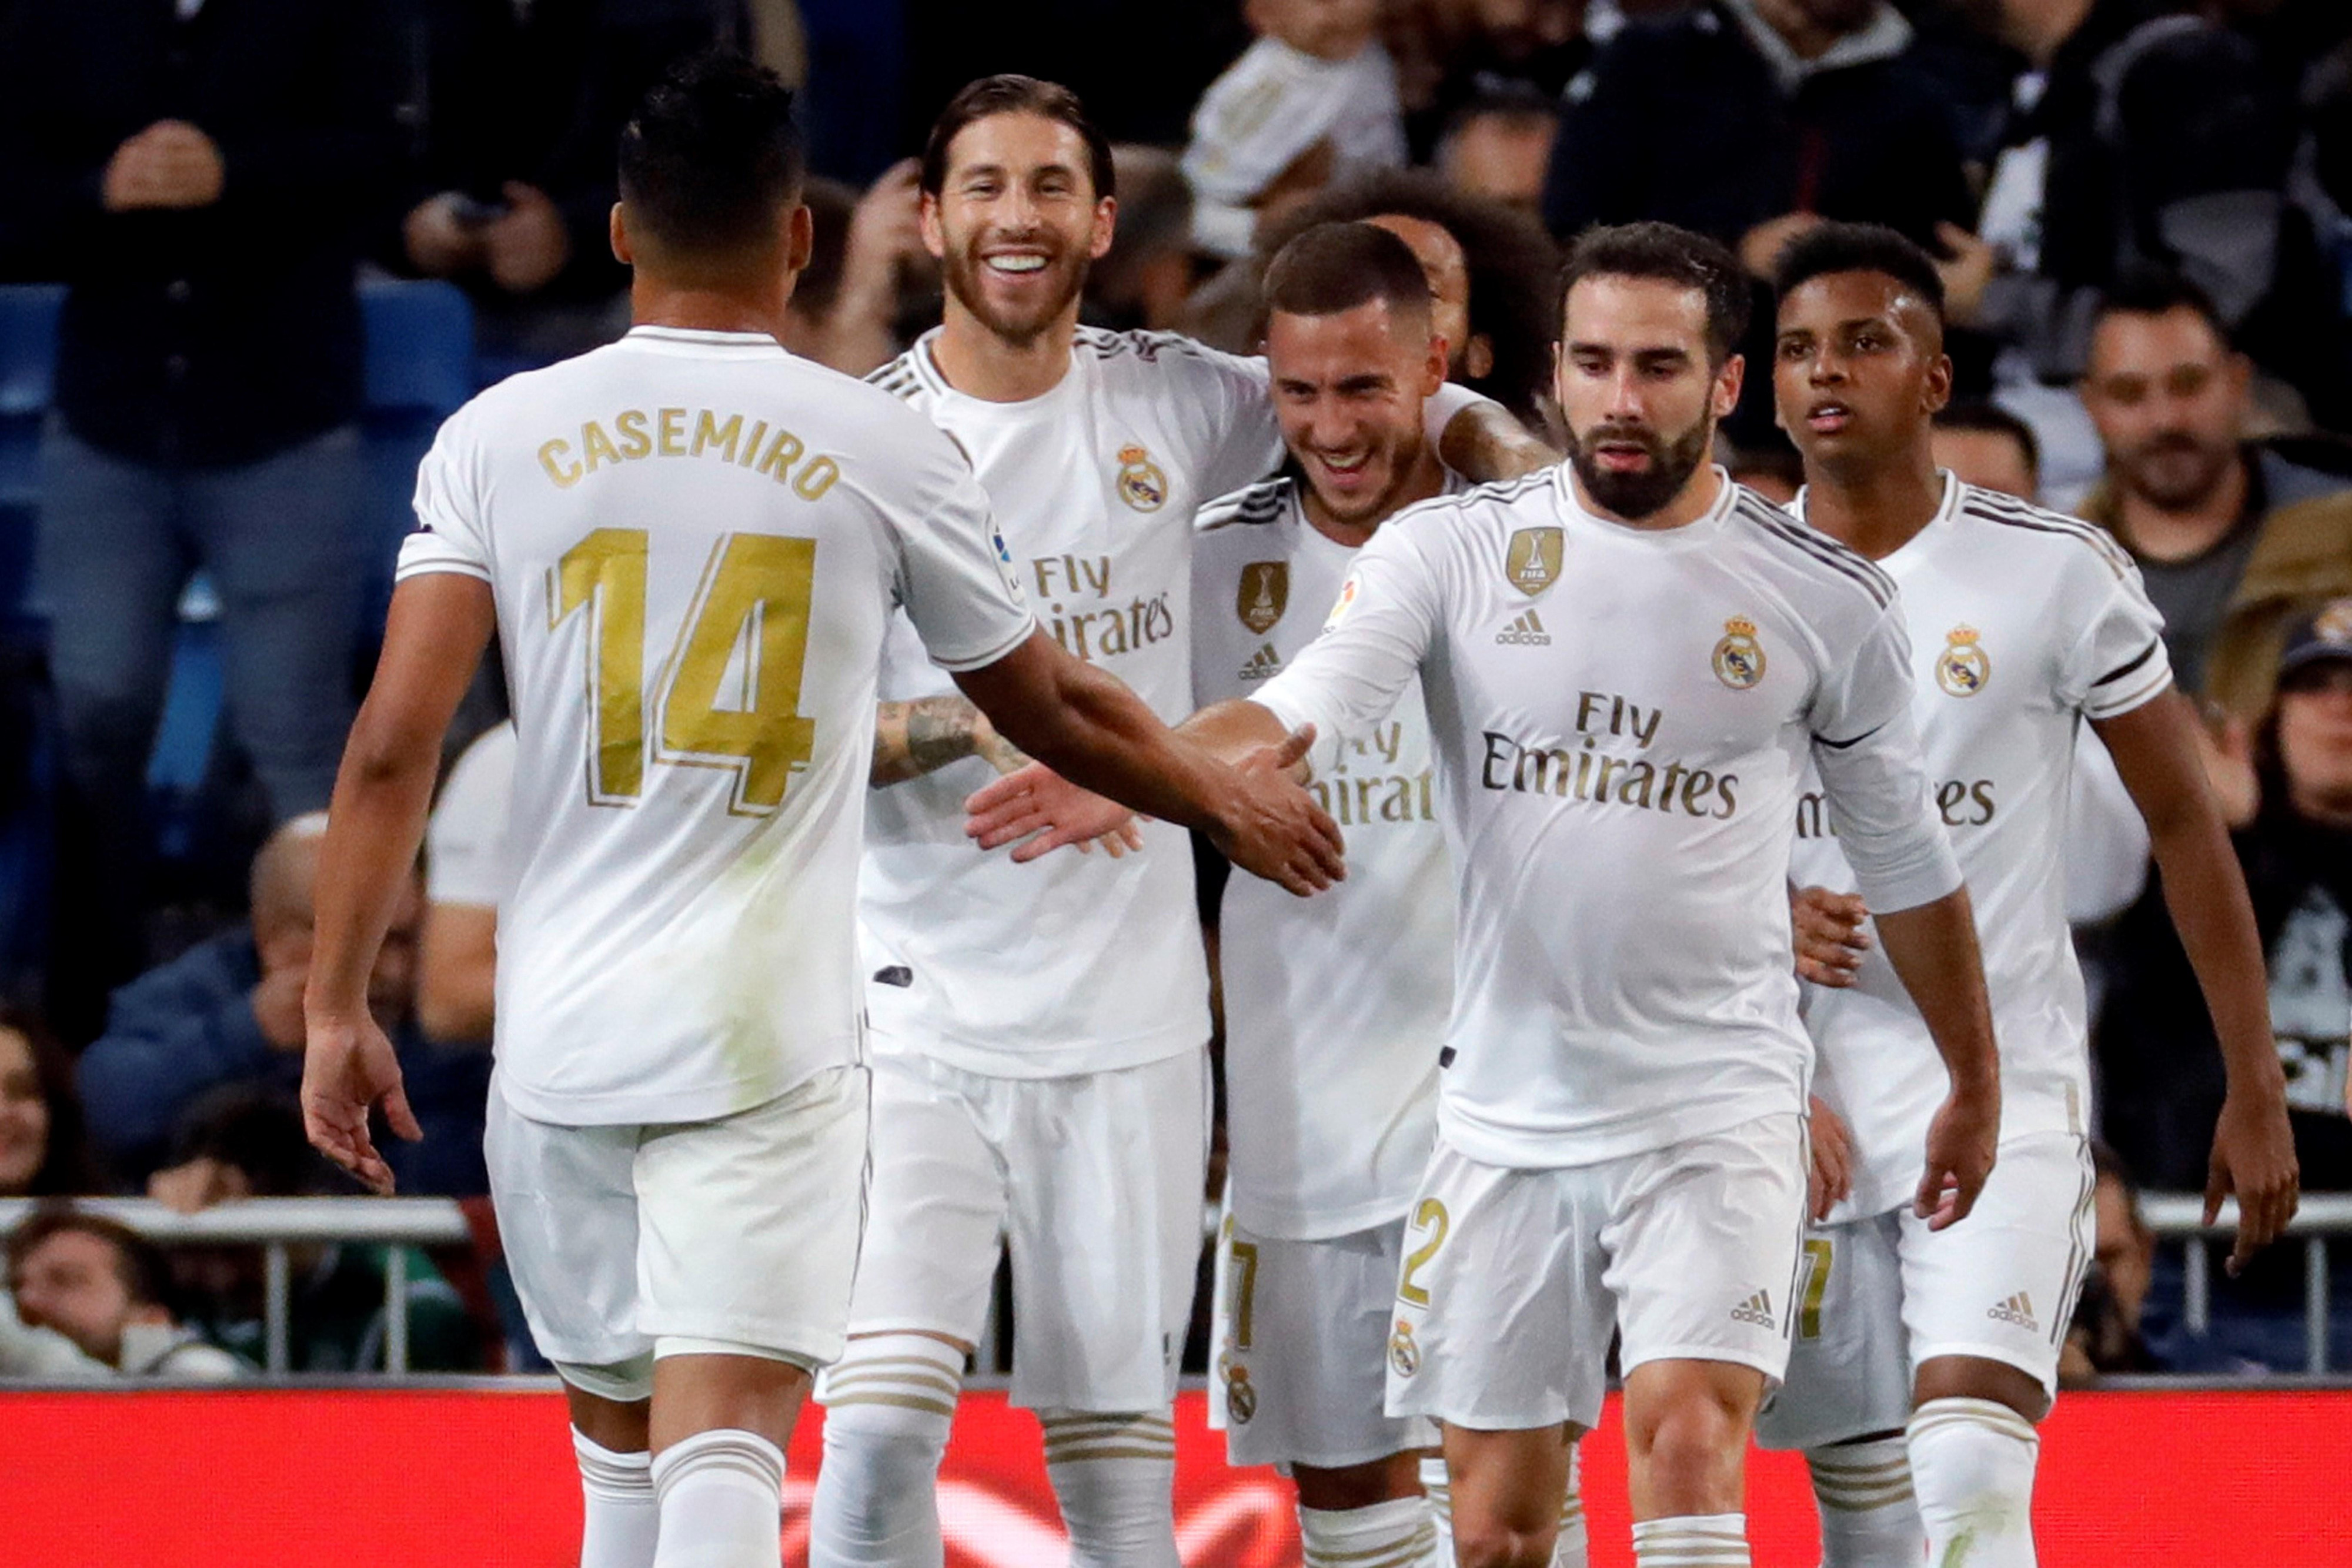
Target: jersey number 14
{"x":750,"y":621}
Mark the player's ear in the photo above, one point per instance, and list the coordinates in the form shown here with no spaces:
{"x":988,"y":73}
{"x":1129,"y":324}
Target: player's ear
{"x":1433,"y":367}
{"x":927,"y":216}
{"x":1939,"y":383}
{"x":800,"y":239}
{"x":1729,"y":380}
{"x":618,"y":228}
{"x":1106,"y":225}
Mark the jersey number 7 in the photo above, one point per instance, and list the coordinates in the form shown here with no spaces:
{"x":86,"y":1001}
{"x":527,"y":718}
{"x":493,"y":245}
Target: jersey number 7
{"x":749,"y":620}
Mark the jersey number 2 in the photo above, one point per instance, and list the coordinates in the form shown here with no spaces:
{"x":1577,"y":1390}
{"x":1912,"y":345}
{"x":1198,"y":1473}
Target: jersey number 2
{"x":750,"y":619}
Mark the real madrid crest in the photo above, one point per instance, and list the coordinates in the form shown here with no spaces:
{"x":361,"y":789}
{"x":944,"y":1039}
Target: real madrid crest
{"x":1531,"y":559}
{"x":1241,"y":1399}
{"x":1265,"y":594}
{"x":1739,"y":657}
{"x":1963,"y":669}
{"x":1405,"y":1355}
{"x":1142,"y":485}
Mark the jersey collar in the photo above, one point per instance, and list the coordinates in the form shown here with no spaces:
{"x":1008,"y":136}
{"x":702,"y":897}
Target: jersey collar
{"x":756,"y":343}
{"x":1726,"y":495}
{"x":1919,"y":543}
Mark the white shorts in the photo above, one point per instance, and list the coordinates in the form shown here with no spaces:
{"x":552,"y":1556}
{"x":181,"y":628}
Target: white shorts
{"x":1092,"y":1182}
{"x":1515,"y":1279}
{"x":1302,"y":1331}
{"x":1884,"y":1295}
{"x":740,"y":1231}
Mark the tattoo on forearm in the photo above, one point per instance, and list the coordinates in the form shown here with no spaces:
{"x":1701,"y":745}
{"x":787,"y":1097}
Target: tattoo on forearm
{"x":912,"y":738}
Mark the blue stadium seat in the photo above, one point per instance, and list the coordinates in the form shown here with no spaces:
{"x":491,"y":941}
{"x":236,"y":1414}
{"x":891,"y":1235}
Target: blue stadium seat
{"x":420,"y":369}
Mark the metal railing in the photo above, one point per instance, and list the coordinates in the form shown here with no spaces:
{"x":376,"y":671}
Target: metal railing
{"x":2180,"y":1217}
{"x":277,"y":1224}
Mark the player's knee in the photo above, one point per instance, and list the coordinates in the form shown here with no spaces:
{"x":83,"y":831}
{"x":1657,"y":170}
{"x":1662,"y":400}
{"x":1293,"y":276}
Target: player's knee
{"x":1493,"y":1544}
{"x":1692,"y":1441}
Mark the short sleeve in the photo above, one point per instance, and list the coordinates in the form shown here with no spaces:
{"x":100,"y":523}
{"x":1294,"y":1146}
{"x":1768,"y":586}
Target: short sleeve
{"x":451,"y":533}
{"x":955,"y":574}
{"x":1380,"y":629}
{"x":1244,"y":439}
{"x":2119,"y":663}
{"x":465,"y":859}
{"x":1866,"y":746}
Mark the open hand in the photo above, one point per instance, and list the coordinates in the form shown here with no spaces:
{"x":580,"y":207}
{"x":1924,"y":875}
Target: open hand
{"x":1272,"y":828}
{"x":1830,"y":939}
{"x":346,"y":1070}
{"x":1831,"y":1181}
{"x":1038,"y":810}
{"x":2253,"y":1157}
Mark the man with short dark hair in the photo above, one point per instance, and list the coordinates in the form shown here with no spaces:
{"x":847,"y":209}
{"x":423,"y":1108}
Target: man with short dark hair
{"x":689,"y":543}
{"x":1989,"y":447}
{"x":103,"y":1286}
{"x":2233,"y":538}
{"x":1048,"y":1099}
{"x":1627,"y":663}
{"x":1925,"y":1355}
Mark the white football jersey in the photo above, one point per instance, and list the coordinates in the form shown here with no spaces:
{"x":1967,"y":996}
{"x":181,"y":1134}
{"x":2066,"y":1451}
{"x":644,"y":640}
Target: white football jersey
{"x":465,"y":859}
{"x":2024,"y":623}
{"x":695,"y":541}
{"x":1621,"y":719}
{"x":1073,"y":963}
{"x":1335,"y":1005}
{"x":1268,"y":109}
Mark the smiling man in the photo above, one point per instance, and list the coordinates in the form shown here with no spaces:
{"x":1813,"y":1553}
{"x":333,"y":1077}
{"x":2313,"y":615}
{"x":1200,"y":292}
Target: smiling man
{"x":2023,"y":625}
{"x":1040,"y":1032}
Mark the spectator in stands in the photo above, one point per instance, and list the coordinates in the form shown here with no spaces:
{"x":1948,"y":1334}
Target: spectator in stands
{"x":1985,"y":445}
{"x":2105,"y":1336}
{"x":1498,"y":146}
{"x":2159,"y":1066}
{"x":867,"y":275}
{"x":1519,"y":51}
{"x":105,"y":1287}
{"x":467,"y":875}
{"x":247,"y":1143}
{"x":1315,"y":97}
{"x":2232,"y":538}
{"x":2143,"y":134}
{"x":1491,"y":274}
{"x":1145,"y":277}
{"x":42,"y":1150}
{"x":229,"y":1011}
{"x":204,"y":178}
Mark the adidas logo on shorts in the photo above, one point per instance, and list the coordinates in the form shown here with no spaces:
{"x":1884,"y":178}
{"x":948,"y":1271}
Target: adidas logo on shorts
{"x":1757,"y":1310}
{"x":1527,"y":632}
{"x":1264,"y":664}
{"x":2018,"y":1310}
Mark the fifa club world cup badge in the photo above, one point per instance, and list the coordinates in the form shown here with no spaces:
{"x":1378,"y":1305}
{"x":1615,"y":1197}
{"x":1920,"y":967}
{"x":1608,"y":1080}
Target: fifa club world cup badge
{"x":1263,"y":595}
{"x":1241,"y":1398}
{"x":1142,"y":485}
{"x":1739,"y":657}
{"x":1405,"y":1353}
{"x":1531,"y":559}
{"x":1963,"y":669}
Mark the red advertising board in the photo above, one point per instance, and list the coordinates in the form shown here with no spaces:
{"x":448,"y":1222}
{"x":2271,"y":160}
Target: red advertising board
{"x":427,"y":1480}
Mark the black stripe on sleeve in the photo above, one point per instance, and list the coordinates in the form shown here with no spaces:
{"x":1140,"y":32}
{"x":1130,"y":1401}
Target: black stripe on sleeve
{"x":1842,"y":745}
{"x":2121,"y":671}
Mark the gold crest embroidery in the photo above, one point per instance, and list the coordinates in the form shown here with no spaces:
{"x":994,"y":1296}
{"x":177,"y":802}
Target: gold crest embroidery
{"x":1263,"y":595}
{"x":1142,"y":485}
{"x":1739,"y":657}
{"x":1963,"y":669}
{"x":1531,"y":560}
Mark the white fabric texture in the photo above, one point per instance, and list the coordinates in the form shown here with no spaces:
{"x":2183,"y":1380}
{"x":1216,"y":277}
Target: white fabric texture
{"x":1394,"y":1534}
{"x":466,"y":861}
{"x":1692,"y":1541}
{"x":695,"y":541}
{"x":1114,"y":1477}
{"x":889,"y":1406}
{"x":721,"y":1501}
{"x":1869,"y":1517}
{"x":622,"y":1517}
{"x":1973,"y":1464}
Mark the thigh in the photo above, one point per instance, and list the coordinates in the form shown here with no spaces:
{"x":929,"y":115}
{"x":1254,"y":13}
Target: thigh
{"x":567,"y":1210}
{"x":935,"y":1204}
{"x":1702,"y":1240}
{"x":1302,"y":1331}
{"x":1849,"y":1372}
{"x":1502,"y":1318}
{"x":108,"y":567}
{"x":749,"y":1224}
{"x":1106,"y":1174}
{"x":2001,"y":1283}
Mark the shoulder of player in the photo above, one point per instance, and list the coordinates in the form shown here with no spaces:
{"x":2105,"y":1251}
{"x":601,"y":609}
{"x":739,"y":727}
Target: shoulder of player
{"x":1162,"y":350}
{"x":1808,"y":555}
{"x":902,"y":378}
{"x":1252,"y":508}
{"x":2024,"y":526}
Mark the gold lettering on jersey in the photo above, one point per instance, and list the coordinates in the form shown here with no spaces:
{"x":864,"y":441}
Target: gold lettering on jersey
{"x":688,"y":432}
{"x":1593,"y":767}
{"x":555,"y":457}
{"x":1739,"y":657}
{"x":1263,"y":595}
{"x":1964,"y":668}
{"x":1531,"y":559}
{"x":1142,"y":485}
{"x":1378,"y":793}
{"x":1107,"y":628}
{"x":1960,"y":802}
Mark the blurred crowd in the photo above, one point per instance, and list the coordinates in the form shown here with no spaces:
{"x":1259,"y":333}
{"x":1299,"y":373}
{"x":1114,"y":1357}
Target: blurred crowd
{"x":2142,"y":208}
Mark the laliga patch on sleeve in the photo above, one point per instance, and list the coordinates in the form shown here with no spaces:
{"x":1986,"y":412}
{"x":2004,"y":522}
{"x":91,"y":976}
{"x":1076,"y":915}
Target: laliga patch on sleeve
{"x":1348,"y":591}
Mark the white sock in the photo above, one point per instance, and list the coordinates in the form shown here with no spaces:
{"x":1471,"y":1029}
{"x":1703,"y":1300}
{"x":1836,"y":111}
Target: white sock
{"x":622,"y":1516}
{"x":1692,"y":1541}
{"x":721,"y":1501}
{"x":1569,"y":1550}
{"x":1393,"y":1534}
{"x":1869,"y":1519}
{"x":1438,"y":1487}
{"x":889,"y":1402}
{"x":1972,"y":1466}
{"x":1115,"y":1477}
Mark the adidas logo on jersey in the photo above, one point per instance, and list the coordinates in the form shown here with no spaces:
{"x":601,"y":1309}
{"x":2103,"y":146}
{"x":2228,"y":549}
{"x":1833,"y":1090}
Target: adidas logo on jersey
{"x":1264,"y":664}
{"x":1527,"y":632}
{"x":2018,"y":1310}
{"x":1756,"y":1308}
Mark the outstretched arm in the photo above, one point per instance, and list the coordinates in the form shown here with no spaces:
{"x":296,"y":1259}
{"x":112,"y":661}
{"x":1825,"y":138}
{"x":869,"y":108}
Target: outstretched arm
{"x":2155,"y":748}
{"x":1084,"y":723}
{"x":440,"y":624}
